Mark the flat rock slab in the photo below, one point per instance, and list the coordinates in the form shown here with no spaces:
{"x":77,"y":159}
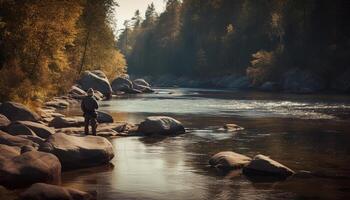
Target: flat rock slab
{"x":28,"y":168}
{"x":161,"y":125}
{"x":78,"y":152}
{"x":265,"y":166}
{"x":41,"y":191}
{"x":228,"y":160}
{"x":16,"y":111}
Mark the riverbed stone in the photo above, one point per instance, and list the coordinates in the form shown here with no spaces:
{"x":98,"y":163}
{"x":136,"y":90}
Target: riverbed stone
{"x":76,"y":152}
{"x":161,"y":125}
{"x":263,"y":165}
{"x":16,"y":111}
{"x":97,"y":82}
{"x":231,"y":128}
{"x":62,"y":122}
{"x":228,"y":160}
{"x":103,"y":117}
{"x":11,"y":140}
{"x":28,"y":168}
{"x":42,"y":191}
{"x":121,"y":84}
{"x":39,"y":129}
{"x":16,"y":128}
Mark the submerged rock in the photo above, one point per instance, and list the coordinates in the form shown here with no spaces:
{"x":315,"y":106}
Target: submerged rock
{"x":76,"y":152}
{"x":28,"y":168}
{"x":41,"y":191}
{"x":16,"y":111}
{"x":97,"y":82}
{"x":161,"y":125}
{"x":231,"y":128}
{"x":263,"y":165}
{"x":228,"y":160}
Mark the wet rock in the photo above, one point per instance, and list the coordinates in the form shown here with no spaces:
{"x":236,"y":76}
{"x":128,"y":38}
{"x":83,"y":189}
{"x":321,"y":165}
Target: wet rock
{"x":121,"y":84}
{"x":41,"y":191}
{"x":16,"y":128}
{"x":16,"y":111}
{"x":4,"y":121}
{"x":76,"y":152}
{"x":228,"y":160}
{"x":141,"y":82}
{"x":263,"y":165}
{"x":161,"y":125}
{"x":28,"y":168}
{"x":62,"y":122}
{"x":97,"y":82}
{"x":11,"y":140}
{"x":143,"y":89}
{"x":40,"y":130}
{"x":103,"y":117}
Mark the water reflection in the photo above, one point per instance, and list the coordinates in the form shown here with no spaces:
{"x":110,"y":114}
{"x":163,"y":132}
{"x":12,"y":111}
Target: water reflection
{"x":177,"y":167}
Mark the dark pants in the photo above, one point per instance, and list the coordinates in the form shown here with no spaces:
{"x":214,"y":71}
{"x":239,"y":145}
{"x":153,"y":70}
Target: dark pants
{"x":90,"y":120}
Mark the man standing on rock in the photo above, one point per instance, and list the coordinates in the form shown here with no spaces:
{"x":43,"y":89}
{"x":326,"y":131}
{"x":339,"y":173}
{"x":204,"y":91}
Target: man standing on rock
{"x":89,"y":106}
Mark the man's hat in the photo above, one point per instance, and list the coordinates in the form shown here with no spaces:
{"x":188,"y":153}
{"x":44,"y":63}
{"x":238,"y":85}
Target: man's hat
{"x":90,"y":92}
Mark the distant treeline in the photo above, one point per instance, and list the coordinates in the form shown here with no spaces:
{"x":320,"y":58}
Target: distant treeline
{"x":45,"y":45}
{"x":259,"y":38}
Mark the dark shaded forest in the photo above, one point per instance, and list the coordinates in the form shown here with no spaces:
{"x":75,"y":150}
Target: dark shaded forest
{"x":259,"y":39}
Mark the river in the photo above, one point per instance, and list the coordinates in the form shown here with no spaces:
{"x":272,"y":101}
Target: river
{"x":304,"y":132}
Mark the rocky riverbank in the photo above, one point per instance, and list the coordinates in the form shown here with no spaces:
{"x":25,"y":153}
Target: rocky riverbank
{"x":38,"y":145}
{"x":292,"y":81}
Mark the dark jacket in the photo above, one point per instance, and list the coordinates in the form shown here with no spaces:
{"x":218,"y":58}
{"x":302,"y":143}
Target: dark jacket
{"x":89,"y":106}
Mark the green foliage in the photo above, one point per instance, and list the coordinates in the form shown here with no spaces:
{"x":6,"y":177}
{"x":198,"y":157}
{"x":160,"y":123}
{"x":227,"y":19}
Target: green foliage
{"x":216,"y":37}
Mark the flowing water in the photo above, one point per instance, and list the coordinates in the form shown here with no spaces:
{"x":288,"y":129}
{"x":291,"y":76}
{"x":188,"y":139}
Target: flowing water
{"x":304,"y":132}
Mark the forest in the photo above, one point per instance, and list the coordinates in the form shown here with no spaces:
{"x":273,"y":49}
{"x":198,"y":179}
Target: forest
{"x":46,"y":45}
{"x":259,"y":39}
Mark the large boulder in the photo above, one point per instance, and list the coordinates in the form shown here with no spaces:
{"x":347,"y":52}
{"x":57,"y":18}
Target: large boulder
{"x":263,"y":165}
{"x":42,"y":191}
{"x":16,"y":111}
{"x":11,"y":140}
{"x":8,"y":152}
{"x":141,"y":82}
{"x":63,"y":122}
{"x":144,"y":89}
{"x":16,"y":128}
{"x":40,"y":130}
{"x":103,"y":117}
{"x":4,"y":121}
{"x":121,"y":84}
{"x":228,"y":160}
{"x":91,"y":80}
{"x":76,"y":152}
{"x":28,"y":168}
{"x":161,"y":125}
{"x":302,"y":81}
